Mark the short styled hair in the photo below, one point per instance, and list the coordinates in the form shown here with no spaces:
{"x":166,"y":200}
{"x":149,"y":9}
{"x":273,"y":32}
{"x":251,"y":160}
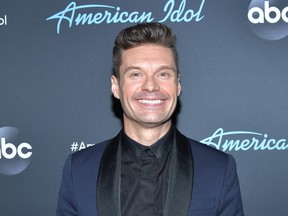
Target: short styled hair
{"x":143,"y":33}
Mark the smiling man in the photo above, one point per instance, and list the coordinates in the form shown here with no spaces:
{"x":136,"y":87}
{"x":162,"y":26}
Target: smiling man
{"x":148,"y":87}
{"x":149,"y":168}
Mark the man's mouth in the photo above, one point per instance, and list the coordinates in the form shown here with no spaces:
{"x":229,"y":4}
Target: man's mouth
{"x":145,"y":101}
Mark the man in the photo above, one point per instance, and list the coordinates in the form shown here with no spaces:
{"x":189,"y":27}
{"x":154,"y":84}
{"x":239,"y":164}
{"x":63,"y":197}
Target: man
{"x":149,"y":168}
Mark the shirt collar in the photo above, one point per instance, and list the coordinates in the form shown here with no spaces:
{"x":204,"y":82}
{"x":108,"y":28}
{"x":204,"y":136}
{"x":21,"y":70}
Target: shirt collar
{"x":159,"y":149}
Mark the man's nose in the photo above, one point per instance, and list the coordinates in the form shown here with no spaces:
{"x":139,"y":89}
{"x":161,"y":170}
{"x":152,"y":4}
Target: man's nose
{"x":150,"y":84}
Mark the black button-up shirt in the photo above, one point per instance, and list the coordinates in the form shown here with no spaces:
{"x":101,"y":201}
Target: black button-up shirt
{"x":144,"y":176}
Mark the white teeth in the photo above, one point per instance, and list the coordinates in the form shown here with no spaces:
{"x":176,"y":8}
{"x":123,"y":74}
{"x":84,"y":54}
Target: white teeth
{"x":151,"y":101}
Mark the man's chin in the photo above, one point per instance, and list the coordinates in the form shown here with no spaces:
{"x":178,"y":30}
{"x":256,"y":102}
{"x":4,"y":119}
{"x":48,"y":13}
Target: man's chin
{"x":154,"y":123}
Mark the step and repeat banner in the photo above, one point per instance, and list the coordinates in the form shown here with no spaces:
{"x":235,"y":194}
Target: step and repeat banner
{"x":55,"y":98}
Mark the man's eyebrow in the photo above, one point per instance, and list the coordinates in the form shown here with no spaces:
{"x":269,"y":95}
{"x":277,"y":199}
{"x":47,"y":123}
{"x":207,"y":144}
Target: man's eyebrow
{"x":131,"y":68}
{"x":162,"y":67}
{"x":167,"y":67}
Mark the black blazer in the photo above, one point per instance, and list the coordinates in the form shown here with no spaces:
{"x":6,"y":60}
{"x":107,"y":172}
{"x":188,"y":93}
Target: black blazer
{"x":203,"y":181}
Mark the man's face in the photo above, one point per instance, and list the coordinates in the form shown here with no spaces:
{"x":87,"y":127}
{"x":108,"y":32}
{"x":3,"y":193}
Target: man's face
{"x":148,"y":85}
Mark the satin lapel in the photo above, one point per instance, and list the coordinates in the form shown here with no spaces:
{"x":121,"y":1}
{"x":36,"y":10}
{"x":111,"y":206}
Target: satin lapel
{"x":180,"y":178}
{"x":108,"y":184}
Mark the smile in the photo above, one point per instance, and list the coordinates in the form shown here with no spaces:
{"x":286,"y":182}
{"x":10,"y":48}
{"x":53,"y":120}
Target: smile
{"x":151,"y":101}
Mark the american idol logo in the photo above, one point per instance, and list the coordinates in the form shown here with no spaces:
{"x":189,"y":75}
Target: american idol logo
{"x":78,"y":147}
{"x":79,"y":15}
{"x":3,"y":20}
{"x":14,"y":156}
{"x":269,"y":19}
{"x":244,"y":141}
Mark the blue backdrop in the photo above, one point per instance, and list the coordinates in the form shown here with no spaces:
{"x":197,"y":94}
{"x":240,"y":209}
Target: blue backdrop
{"x":55,"y":66}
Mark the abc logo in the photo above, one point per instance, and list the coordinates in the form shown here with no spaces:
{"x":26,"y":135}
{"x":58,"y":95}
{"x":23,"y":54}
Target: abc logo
{"x":269,"y":19}
{"x":9,"y":150}
{"x":14,"y":157}
{"x":270,"y":14}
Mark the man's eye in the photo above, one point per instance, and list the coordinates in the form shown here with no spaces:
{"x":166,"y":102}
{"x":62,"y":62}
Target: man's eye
{"x":135,"y":74}
{"x":164,"y":75}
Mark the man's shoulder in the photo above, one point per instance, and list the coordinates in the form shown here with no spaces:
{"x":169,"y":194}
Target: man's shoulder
{"x":209,"y":157}
{"x":200,"y":147}
{"x":204,"y":155}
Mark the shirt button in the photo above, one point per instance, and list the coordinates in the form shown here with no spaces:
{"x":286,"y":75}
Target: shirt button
{"x":147,"y":150}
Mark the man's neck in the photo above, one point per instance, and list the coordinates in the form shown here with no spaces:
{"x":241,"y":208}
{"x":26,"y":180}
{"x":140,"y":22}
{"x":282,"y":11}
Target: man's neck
{"x":146,"y":135}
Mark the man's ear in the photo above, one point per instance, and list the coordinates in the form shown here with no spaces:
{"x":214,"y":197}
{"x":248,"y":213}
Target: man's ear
{"x":115,"y":86}
{"x":178,"y":86}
